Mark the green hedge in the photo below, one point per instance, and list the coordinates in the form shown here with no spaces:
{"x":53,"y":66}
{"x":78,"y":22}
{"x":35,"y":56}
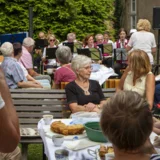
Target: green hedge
{"x":59,"y":16}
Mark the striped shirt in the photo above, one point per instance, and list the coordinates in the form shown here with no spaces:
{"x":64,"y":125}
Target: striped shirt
{"x":155,"y":157}
{"x":13,"y":72}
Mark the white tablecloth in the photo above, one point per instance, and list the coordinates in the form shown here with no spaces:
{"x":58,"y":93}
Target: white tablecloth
{"x":102,"y":74}
{"x":50,"y":148}
{"x":73,"y":155}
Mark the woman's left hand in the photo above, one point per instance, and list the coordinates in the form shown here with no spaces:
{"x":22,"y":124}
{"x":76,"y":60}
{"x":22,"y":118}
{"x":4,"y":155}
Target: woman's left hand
{"x":96,"y":110}
{"x":90,"y":106}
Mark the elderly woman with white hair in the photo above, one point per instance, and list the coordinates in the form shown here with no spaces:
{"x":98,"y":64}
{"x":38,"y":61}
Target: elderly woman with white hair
{"x":63,"y":73}
{"x":84,"y":94}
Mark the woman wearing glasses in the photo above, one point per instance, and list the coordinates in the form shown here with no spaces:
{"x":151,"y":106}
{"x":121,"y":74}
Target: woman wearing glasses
{"x":83,"y":94}
{"x":52,"y":44}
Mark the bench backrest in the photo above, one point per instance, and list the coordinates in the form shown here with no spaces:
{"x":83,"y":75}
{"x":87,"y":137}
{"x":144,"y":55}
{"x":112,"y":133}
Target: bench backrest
{"x":31,"y":104}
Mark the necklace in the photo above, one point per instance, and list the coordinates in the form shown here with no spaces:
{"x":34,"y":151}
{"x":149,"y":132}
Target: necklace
{"x":86,"y":92}
{"x":84,"y":88}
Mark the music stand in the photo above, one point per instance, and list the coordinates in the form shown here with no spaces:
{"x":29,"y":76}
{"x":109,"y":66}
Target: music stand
{"x":120,"y":55}
{"x":51,"y":53}
{"x":106,"y":48}
{"x":95,"y":53}
{"x":41,"y":43}
{"x":69,"y":44}
{"x":84,"y":51}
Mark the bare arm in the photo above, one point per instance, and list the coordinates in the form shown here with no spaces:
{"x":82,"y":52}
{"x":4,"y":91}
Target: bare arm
{"x":30,"y":78}
{"x":29,"y":84}
{"x":99,"y":107}
{"x":32,"y":72}
{"x":120,"y":87}
{"x":128,"y":48}
{"x":77,"y":108}
{"x":56,"y":86}
{"x":154,"y":50}
{"x":150,"y":88}
{"x":9,"y":125}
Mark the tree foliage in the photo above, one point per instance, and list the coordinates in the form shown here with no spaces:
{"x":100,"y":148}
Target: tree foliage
{"x":60,"y":16}
{"x":118,"y":14}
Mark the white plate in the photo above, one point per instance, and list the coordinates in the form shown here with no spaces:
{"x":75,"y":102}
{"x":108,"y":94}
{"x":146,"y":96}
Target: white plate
{"x":95,"y":154}
{"x":29,"y":132}
{"x":49,"y":133}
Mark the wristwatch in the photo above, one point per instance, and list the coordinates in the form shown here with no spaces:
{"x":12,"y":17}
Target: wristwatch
{"x":2,"y":103}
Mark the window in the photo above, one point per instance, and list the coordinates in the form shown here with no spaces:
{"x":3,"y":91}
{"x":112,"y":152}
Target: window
{"x":133,"y":5}
{"x":133,"y":14}
{"x":133,"y":21}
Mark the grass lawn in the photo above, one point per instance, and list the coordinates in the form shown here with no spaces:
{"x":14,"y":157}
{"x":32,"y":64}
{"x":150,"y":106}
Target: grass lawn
{"x":35,"y":152}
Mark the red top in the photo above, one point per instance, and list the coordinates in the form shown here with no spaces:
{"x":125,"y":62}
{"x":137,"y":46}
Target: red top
{"x":64,"y":74}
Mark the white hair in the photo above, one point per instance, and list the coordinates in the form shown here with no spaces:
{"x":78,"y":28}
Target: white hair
{"x":98,"y":35}
{"x":28,"y":42}
{"x":71,"y":36}
{"x":63,"y":54}
{"x":7,"y":49}
{"x":80,"y":61}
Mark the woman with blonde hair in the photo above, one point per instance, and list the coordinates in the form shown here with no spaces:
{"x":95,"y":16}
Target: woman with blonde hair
{"x":138,"y":76}
{"x":143,"y":39}
{"x":52,"y":44}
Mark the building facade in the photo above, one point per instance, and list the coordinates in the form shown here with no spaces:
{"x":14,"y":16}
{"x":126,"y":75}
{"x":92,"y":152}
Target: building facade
{"x":138,"y":9}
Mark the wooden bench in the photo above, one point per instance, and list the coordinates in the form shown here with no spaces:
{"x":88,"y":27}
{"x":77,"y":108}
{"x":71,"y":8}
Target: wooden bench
{"x":32,"y":104}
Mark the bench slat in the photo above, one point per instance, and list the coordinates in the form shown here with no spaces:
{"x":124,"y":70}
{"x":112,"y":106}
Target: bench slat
{"x":38,"y":115}
{"x":29,"y":120}
{"x":108,"y":95}
{"x":38,"y":91}
{"x":39,"y":108}
{"x":39,"y":102}
{"x":38,"y":96}
{"x":28,"y":126}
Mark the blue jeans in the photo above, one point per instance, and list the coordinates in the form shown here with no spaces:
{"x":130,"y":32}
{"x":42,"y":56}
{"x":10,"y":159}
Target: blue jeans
{"x":157,"y":94}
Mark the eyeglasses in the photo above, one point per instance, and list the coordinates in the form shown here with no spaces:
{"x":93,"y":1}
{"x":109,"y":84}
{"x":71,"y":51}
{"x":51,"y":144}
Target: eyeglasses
{"x":52,"y":40}
{"x":88,"y":67}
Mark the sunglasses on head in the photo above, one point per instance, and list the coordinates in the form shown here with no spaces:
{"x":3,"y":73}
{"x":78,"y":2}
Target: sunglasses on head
{"x":52,"y":40}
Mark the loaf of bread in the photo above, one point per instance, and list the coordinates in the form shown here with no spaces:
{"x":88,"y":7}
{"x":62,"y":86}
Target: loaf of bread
{"x":60,"y":127}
